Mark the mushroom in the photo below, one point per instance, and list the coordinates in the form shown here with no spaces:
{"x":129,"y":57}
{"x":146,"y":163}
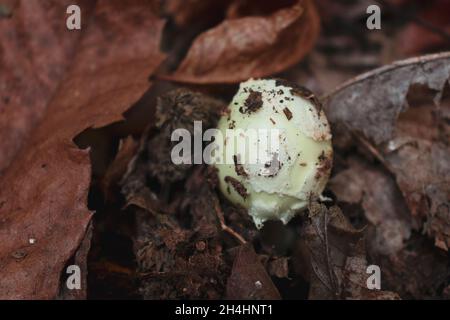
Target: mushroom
{"x":292,"y":149}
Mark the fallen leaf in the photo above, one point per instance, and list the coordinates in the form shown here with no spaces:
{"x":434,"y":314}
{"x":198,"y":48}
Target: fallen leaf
{"x":422,"y":169}
{"x":381,"y":200}
{"x":249,"y":278}
{"x":31,"y":67}
{"x":372,"y":104}
{"x":44,"y":190}
{"x":251,"y":46}
{"x":337,"y":256}
{"x":355,"y":279}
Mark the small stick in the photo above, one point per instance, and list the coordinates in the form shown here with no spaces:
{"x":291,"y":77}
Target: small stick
{"x":223,"y":224}
{"x":374,"y":151}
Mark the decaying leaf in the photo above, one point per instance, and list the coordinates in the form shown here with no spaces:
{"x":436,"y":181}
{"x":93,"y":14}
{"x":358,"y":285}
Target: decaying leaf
{"x":391,"y":240}
{"x":249,"y":278}
{"x":381,"y":201}
{"x":372,"y":103}
{"x":32,"y":66}
{"x":248,"y":46}
{"x":44,"y":191}
{"x":164,"y":231}
{"x":337,"y":256}
{"x":421,"y":164}
{"x":355,"y":279}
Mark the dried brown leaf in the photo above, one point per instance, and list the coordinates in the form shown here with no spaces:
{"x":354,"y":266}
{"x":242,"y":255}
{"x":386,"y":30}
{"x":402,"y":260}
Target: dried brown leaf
{"x":381,"y":200}
{"x":337,"y":255}
{"x":422,"y":169}
{"x":44,"y":191}
{"x":35,"y":51}
{"x":355,"y":275}
{"x":249,"y":278}
{"x":251,"y":46}
{"x":372,"y":103}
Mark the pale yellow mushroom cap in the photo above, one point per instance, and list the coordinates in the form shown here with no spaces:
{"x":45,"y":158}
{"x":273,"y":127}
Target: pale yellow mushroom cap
{"x":281,"y":183}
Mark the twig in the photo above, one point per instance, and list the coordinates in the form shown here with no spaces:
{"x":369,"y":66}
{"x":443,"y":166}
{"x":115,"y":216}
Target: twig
{"x":373,"y":150}
{"x":223,"y":225}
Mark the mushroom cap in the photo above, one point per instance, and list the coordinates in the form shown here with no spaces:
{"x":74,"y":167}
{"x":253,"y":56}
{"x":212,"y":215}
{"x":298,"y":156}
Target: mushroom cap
{"x":277,"y":151}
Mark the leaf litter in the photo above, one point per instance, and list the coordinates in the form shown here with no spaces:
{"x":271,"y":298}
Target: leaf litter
{"x":164,"y":231}
{"x":246,"y":45}
{"x":50,"y":176}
